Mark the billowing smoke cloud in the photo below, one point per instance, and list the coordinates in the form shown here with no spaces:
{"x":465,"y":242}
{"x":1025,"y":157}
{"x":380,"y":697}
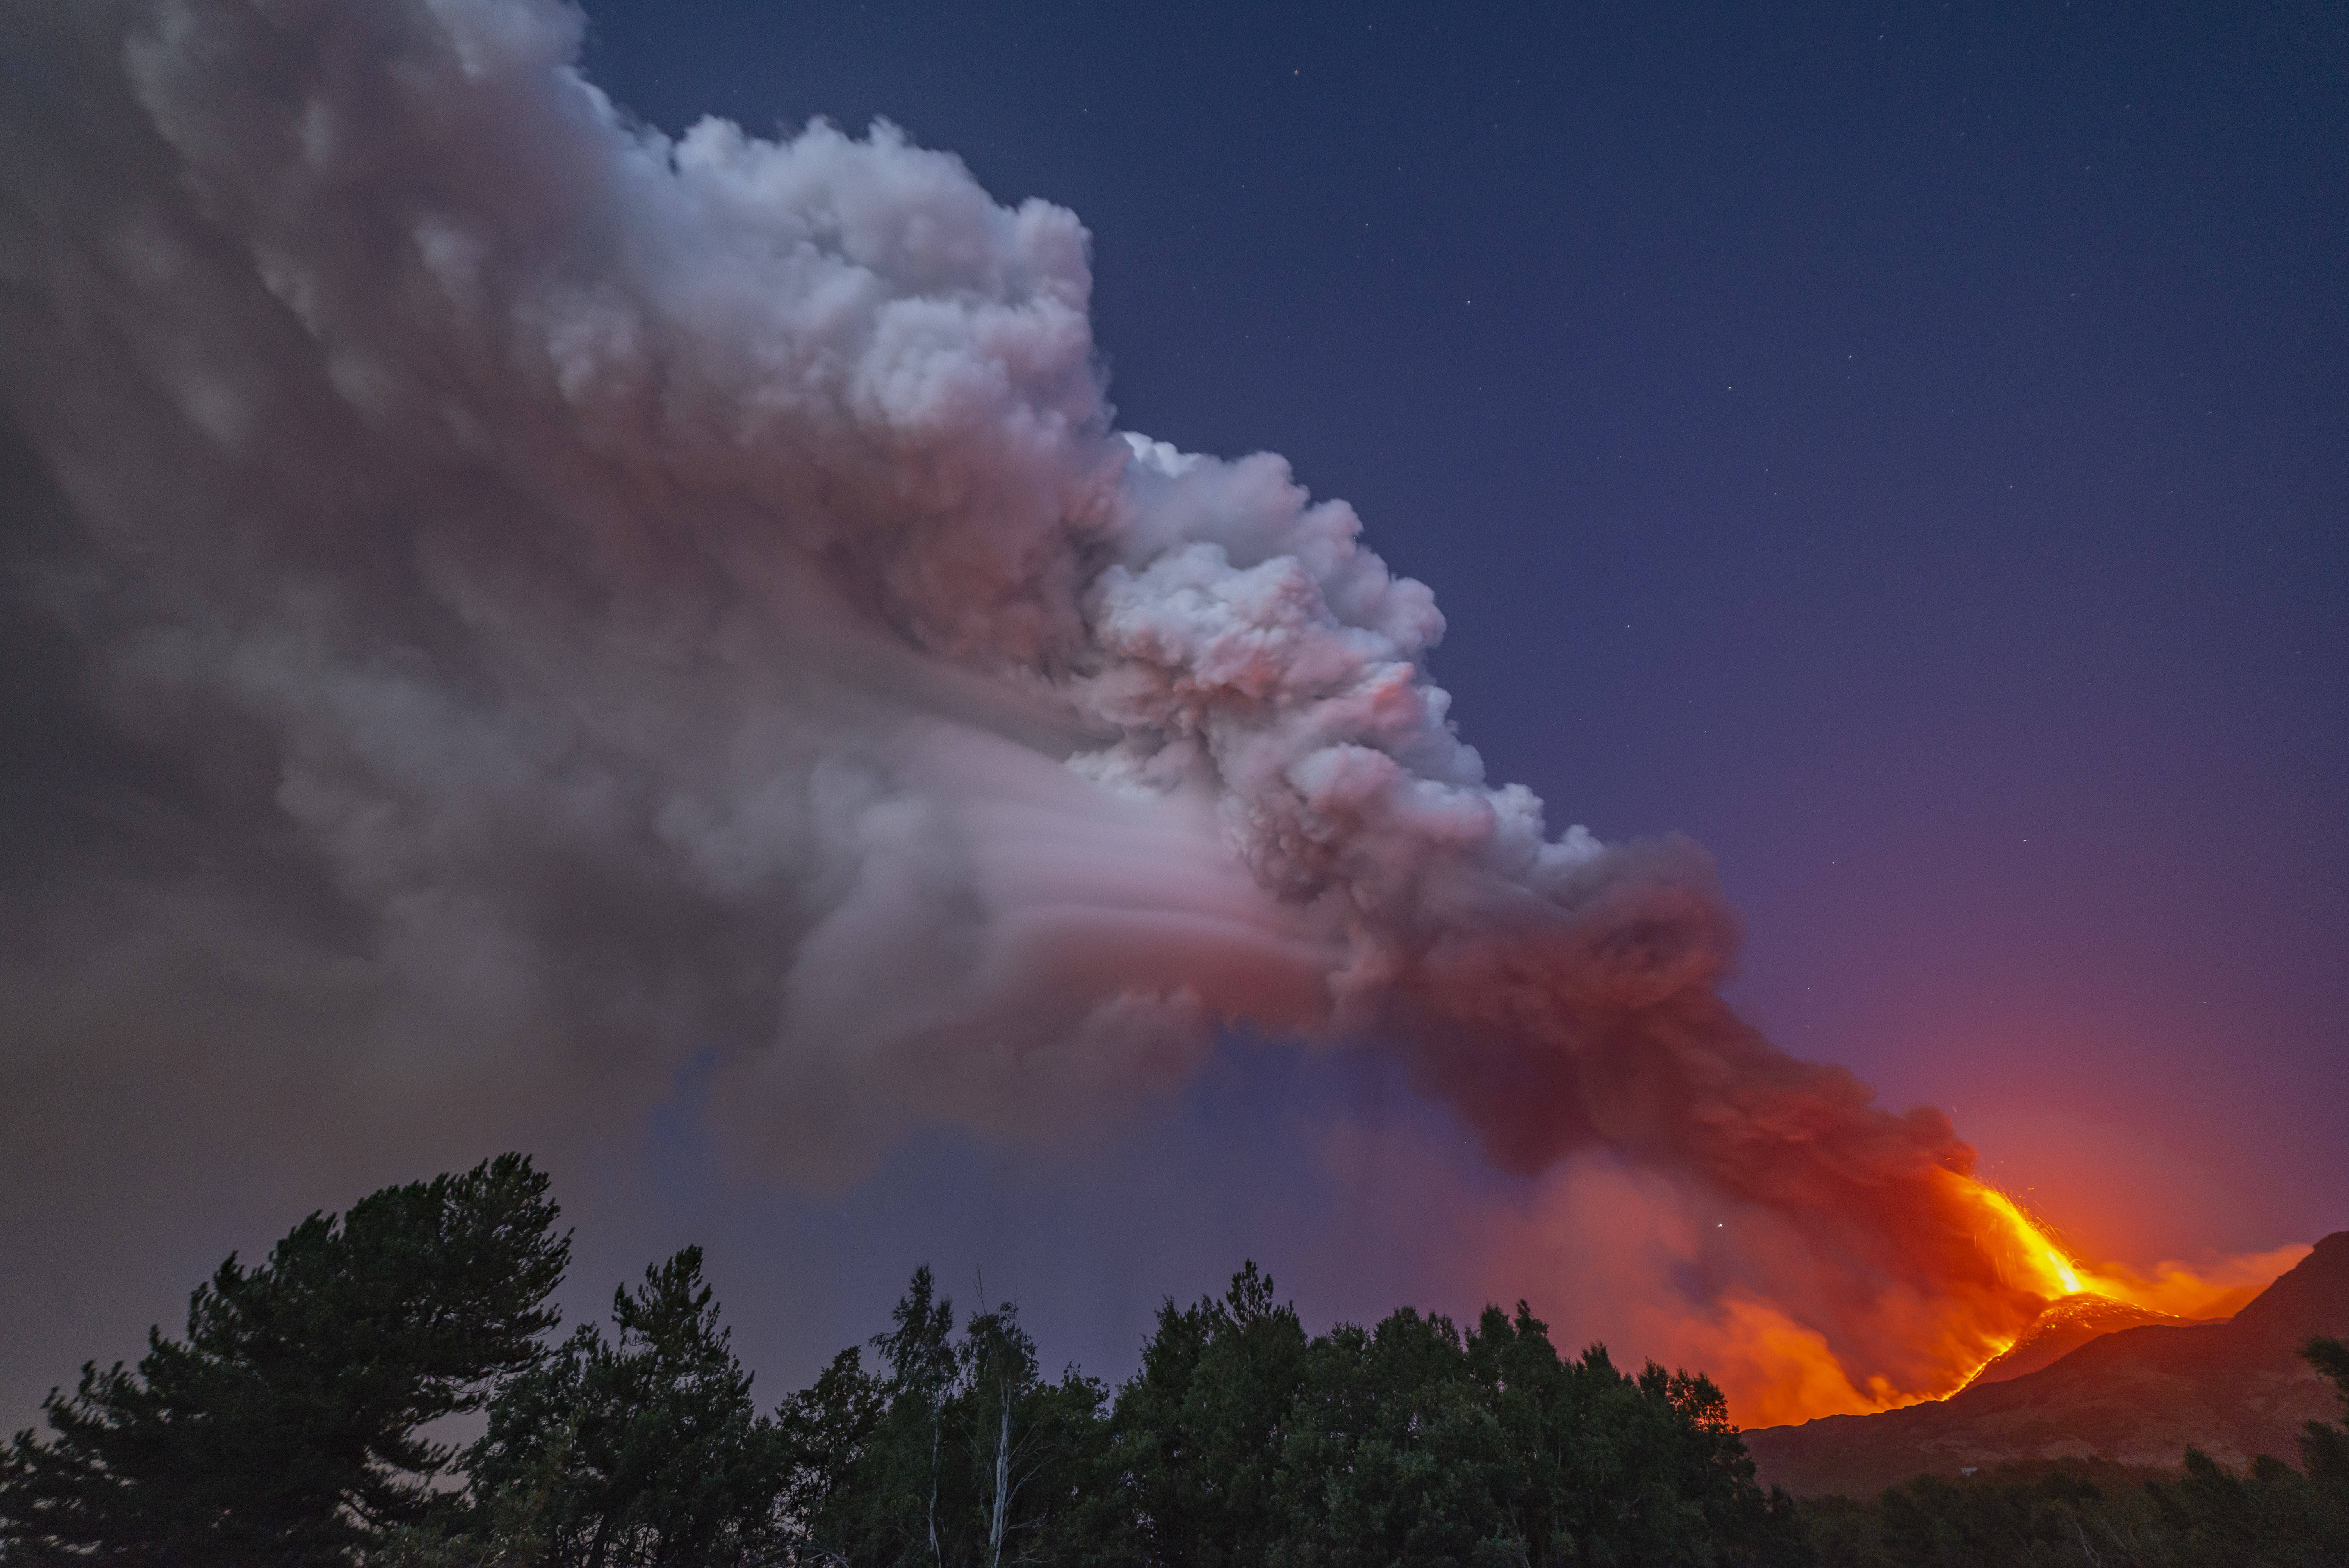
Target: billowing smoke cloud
{"x":581,"y":599}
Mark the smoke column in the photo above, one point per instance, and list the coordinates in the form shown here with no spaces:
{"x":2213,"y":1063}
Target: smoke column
{"x":581,"y":595}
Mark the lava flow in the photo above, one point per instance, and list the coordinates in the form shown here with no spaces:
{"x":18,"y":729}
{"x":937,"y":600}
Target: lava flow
{"x":1783,"y":1361}
{"x":2173,"y":1289}
{"x":1780,"y":1372}
{"x":2021,"y":1247}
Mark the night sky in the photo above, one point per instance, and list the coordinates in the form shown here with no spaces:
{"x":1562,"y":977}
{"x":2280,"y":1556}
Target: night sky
{"x":1905,"y":451}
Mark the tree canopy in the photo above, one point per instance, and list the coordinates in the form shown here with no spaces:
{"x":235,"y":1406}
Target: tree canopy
{"x":288,"y":1427}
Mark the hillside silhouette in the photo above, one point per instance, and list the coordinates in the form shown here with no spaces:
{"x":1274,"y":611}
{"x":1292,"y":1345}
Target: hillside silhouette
{"x":2138,"y":1394}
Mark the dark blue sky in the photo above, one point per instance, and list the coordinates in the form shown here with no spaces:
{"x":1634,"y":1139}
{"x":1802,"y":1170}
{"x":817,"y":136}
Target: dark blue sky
{"x":1905,"y":451}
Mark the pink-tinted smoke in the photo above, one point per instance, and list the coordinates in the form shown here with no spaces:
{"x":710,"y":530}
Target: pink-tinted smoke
{"x":617,"y":593}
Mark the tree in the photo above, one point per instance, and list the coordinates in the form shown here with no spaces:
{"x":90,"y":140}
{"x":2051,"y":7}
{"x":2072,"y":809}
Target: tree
{"x":1392,"y":1454}
{"x":284,"y":1428}
{"x":641,"y":1452}
{"x":828,"y":1431}
{"x":2324,"y":1445}
{"x":1196,"y":1433}
{"x":962,"y":1456}
{"x":999,"y":1382}
{"x":2275,"y":1515}
{"x":922,"y":1365}
{"x":1032,"y":1444}
{"x":1244,"y":1439}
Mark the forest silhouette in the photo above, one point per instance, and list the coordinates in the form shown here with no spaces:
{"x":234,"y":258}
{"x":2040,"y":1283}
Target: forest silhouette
{"x":290,"y":1426}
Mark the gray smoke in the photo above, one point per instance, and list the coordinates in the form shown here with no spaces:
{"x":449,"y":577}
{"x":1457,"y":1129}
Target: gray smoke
{"x":537,"y":601}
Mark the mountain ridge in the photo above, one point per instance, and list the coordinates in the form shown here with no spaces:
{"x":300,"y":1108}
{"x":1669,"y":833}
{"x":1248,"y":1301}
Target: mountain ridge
{"x":2062,"y":1328}
{"x":2138,"y":1394}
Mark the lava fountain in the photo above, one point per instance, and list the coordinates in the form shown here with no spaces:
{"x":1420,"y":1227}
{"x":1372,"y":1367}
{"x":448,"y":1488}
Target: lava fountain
{"x":1775,"y":1370}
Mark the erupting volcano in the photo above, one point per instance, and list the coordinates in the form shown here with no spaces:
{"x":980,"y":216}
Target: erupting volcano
{"x":2079,"y":1302}
{"x":1783,"y":1355}
{"x":624,"y":604}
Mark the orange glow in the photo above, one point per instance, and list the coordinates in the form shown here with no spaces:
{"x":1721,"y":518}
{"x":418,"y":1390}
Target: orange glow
{"x":1777,"y":1369}
{"x":1789,"y":1334}
{"x":1773,"y":1370}
{"x":2017,"y":1245}
{"x":2217,"y":1290}
{"x":2172,"y":1288}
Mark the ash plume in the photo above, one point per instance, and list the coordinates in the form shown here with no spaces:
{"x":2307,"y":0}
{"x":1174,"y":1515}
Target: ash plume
{"x":568,"y":596}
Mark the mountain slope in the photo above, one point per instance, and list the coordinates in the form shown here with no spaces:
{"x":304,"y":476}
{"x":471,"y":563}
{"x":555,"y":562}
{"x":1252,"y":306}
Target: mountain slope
{"x":2137,"y":1396}
{"x":2063,"y":1327}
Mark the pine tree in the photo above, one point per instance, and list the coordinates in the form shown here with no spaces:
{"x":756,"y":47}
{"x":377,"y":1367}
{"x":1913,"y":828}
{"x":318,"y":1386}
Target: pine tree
{"x":284,"y":1429}
{"x":2324,"y":1445}
{"x":643,"y":1451}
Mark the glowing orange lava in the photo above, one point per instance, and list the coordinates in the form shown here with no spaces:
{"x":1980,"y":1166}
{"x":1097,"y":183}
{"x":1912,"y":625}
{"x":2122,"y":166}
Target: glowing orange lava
{"x":1775,"y":1368}
{"x":2017,"y":1243}
{"x":2212,"y":1292}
